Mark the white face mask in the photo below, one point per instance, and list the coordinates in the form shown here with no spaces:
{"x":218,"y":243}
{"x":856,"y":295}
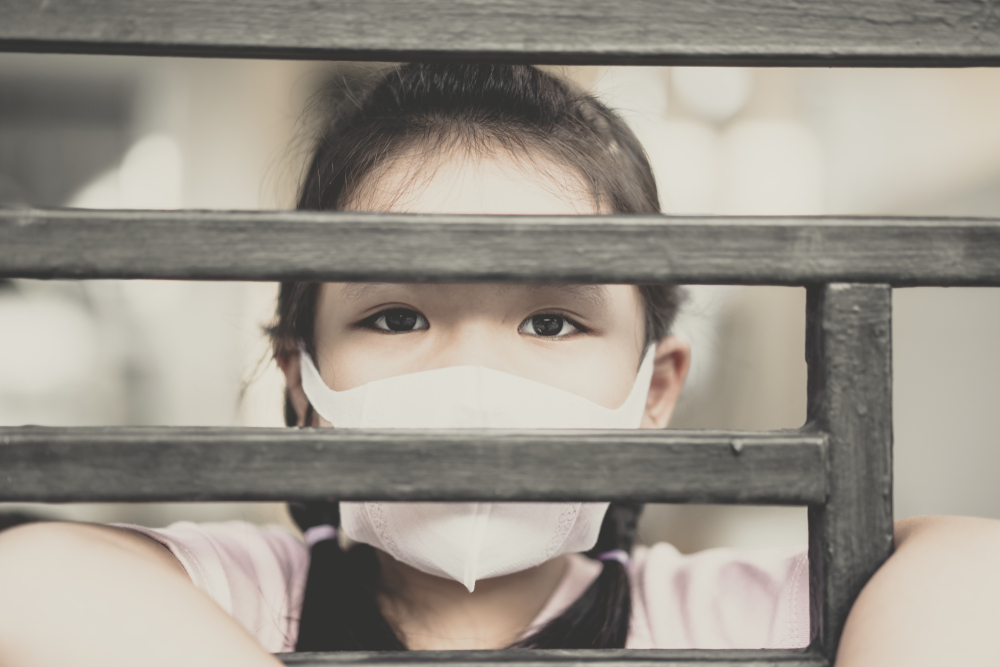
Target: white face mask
{"x":471,"y":541}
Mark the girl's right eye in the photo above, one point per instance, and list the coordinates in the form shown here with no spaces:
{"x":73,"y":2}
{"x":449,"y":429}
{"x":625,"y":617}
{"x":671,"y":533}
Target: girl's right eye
{"x":397,"y":320}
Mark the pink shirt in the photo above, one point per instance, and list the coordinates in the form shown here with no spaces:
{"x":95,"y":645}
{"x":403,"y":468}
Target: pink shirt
{"x":719,"y":598}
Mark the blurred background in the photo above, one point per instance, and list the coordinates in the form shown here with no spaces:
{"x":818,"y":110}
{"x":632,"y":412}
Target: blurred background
{"x":121,"y":132}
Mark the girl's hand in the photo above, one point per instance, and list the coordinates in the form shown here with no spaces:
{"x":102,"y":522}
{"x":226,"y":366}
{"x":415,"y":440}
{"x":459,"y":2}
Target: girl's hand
{"x":936,"y":601}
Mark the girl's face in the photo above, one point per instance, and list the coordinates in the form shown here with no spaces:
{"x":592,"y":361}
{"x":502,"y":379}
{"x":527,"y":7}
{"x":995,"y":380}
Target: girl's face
{"x":586,"y":339}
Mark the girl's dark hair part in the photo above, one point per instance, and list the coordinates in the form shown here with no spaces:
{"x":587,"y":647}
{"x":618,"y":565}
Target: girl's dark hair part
{"x":414,"y":110}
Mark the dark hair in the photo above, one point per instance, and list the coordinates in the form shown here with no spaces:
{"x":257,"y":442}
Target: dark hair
{"x":479,"y":108}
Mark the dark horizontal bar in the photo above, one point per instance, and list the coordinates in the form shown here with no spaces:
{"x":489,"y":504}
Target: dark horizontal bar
{"x":562,"y":658}
{"x":214,"y":245}
{"x":180,"y":464}
{"x":745,"y":32}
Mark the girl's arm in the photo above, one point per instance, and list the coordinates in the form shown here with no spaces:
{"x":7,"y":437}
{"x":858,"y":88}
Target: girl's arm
{"x":936,"y":601}
{"x":77,"y":594}
{"x":93,"y":595}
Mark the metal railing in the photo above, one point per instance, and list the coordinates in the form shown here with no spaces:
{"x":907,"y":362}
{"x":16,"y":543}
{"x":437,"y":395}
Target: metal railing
{"x":838,"y":465}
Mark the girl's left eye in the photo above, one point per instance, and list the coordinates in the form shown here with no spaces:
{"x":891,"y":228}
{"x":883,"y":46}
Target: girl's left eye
{"x":549,"y":325}
{"x":397,"y":320}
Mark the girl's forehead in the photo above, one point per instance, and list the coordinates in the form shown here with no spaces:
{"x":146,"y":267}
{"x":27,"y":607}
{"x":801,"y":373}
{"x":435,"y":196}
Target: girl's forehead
{"x":497,"y":183}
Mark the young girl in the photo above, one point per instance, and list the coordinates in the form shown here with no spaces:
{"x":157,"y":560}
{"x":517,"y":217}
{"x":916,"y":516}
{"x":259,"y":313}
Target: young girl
{"x":471,"y":139}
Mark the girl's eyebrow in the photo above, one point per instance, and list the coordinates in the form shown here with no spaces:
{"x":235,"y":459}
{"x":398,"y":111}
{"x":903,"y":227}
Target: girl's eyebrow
{"x":594,"y":294}
{"x":355,"y":291}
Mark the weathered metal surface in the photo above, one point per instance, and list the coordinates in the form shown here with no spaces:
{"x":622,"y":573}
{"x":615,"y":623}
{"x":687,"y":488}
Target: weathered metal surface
{"x":200,"y":245}
{"x":848,"y":341}
{"x":563,"y":658}
{"x":749,"y":32}
{"x":159,"y":463}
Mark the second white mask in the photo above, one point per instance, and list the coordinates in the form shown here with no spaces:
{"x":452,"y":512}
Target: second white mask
{"x":471,"y":541}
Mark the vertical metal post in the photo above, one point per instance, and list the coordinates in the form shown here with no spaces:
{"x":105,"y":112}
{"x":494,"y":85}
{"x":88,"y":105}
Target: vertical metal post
{"x":848,"y":348}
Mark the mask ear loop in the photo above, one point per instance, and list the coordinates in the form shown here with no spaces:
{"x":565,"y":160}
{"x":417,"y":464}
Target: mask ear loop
{"x":310,"y":410}
{"x":312,"y":382}
{"x":635,"y":403}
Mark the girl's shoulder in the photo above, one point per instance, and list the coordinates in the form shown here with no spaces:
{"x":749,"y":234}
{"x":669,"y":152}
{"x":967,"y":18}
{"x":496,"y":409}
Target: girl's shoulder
{"x":720,"y":598}
{"x":256,"y":573}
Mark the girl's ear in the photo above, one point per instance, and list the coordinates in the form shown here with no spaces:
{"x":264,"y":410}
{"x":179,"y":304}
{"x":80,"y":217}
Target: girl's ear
{"x":289,"y":363}
{"x":670,"y":367}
